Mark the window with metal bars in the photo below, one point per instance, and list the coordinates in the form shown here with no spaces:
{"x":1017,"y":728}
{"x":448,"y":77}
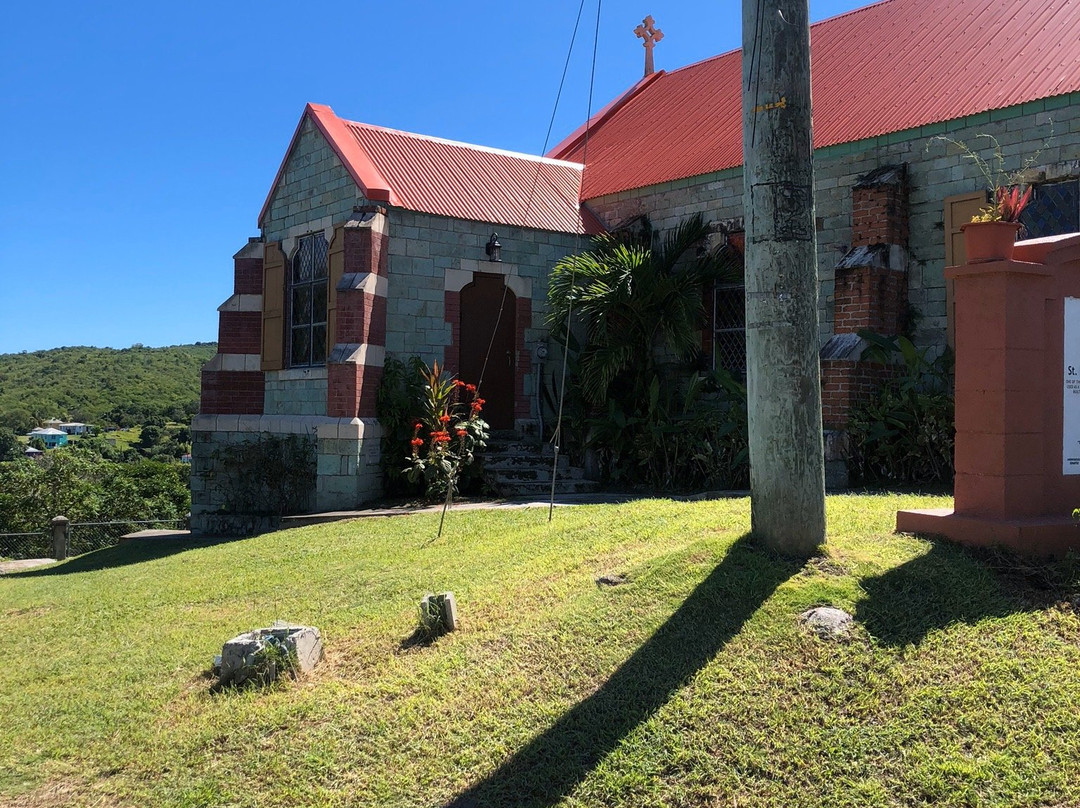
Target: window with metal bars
{"x":1054,"y":209}
{"x":307,"y":302}
{"x":729,"y":328}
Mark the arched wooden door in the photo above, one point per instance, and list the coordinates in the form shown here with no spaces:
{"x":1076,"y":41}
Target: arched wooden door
{"x":481,"y":302}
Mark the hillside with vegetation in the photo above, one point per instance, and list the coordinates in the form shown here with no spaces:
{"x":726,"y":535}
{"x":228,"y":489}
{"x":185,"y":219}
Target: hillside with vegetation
{"x":101,"y":386}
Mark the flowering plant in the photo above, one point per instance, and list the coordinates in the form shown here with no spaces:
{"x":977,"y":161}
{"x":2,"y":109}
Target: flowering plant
{"x":448,"y":434}
{"x":1008,"y":204}
{"x":1008,"y":197}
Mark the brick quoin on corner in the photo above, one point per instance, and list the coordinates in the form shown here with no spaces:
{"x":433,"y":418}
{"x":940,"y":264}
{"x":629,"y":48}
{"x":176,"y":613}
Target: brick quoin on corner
{"x":232,"y":392}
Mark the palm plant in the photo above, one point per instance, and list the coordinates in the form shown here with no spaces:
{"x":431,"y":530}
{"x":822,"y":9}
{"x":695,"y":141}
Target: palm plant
{"x":637,"y":301}
{"x":644,"y":412}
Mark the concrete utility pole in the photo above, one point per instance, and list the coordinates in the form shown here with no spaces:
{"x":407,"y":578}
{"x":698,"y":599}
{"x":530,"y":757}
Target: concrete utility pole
{"x":787,"y":466}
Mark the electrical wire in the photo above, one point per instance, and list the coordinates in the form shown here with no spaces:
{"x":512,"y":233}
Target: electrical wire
{"x":557,"y":436}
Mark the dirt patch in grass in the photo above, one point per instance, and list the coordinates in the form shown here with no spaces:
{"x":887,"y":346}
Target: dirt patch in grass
{"x":58,"y":794}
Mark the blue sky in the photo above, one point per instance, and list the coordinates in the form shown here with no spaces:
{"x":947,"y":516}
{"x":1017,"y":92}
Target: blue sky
{"x":139,"y":141}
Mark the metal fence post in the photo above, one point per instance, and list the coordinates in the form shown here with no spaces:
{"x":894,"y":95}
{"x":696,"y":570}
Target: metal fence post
{"x":61,"y":528}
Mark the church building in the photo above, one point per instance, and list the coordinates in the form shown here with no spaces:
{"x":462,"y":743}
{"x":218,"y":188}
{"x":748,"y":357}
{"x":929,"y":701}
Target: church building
{"x":375,"y":242}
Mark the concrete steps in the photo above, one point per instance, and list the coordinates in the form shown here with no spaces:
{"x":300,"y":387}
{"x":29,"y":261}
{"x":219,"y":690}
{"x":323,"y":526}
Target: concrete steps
{"x":515,"y":468}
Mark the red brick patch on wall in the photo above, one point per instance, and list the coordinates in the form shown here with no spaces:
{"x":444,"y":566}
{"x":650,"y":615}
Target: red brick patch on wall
{"x":247,"y":276}
{"x":232,"y":392}
{"x":522,"y":407}
{"x":452,"y":315}
{"x":239,"y":332}
{"x":351,"y":390}
{"x":845,"y":384}
{"x":879,"y":216}
{"x":361,"y":318}
{"x":869,"y":297}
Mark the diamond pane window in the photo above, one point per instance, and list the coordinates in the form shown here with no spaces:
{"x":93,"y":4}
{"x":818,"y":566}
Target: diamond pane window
{"x":301,"y":346}
{"x":301,"y":303}
{"x":729,"y":328}
{"x":307,"y":302}
{"x":1054,"y":209}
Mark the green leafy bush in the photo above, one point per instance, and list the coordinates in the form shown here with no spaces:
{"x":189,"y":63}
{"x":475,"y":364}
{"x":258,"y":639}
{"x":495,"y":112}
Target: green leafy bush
{"x":906,"y":432}
{"x":396,"y":403}
{"x":634,"y":396}
{"x":85,"y":487}
{"x":685,"y":436}
{"x":269,"y":475}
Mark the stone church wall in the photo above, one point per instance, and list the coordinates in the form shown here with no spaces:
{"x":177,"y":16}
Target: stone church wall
{"x":433,"y":257}
{"x":429,"y":259}
{"x":934,"y":173}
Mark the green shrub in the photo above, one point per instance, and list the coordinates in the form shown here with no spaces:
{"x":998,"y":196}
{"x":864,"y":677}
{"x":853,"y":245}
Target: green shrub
{"x":681,"y":436}
{"x":84,"y":487}
{"x":633,"y":396}
{"x":906,"y":432}
{"x":400,"y":391}
{"x":270,"y":475}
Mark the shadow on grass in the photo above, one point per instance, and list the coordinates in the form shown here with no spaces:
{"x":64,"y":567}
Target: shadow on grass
{"x":951,"y":584}
{"x":129,"y":551}
{"x":553,"y":763}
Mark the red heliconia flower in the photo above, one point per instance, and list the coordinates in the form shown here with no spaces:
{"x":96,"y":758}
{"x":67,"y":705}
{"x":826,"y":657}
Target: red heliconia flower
{"x":471,"y":388}
{"x":458,"y":383}
{"x":417,"y":442}
{"x":444,"y":419}
{"x":1011,"y":202}
{"x":461,"y":433}
{"x":417,"y":426}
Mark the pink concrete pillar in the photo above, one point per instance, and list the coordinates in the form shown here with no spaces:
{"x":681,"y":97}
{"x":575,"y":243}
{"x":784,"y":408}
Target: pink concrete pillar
{"x":1012,"y":486}
{"x":1000,"y":387}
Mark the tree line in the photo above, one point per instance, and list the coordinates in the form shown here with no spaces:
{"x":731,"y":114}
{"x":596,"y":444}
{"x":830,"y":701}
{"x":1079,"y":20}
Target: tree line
{"x":106,"y":387}
{"x":83,"y":486}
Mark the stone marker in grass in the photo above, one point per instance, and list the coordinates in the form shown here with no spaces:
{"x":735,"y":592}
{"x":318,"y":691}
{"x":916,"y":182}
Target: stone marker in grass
{"x":264,"y":654}
{"x":827,"y":622}
{"x":438,"y":613}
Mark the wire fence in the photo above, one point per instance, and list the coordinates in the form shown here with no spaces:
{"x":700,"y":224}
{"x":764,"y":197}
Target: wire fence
{"x":18,"y":546}
{"x":83,"y":537}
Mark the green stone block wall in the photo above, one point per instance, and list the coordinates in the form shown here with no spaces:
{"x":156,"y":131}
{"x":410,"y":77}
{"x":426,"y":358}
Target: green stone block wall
{"x":934,"y":173}
{"x":314,"y":185}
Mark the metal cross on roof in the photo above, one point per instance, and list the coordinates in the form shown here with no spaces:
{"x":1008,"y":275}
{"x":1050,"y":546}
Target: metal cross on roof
{"x":651,"y":34}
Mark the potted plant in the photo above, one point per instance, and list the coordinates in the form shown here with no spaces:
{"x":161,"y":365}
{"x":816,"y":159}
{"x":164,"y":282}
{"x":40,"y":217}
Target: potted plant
{"x":991,"y":233}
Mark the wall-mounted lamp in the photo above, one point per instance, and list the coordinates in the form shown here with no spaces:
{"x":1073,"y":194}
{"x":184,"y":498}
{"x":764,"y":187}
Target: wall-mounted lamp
{"x":493,"y":248}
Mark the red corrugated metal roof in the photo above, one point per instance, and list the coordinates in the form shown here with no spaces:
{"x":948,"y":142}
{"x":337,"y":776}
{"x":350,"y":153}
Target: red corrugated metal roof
{"x":446,"y":178}
{"x":885,"y":68}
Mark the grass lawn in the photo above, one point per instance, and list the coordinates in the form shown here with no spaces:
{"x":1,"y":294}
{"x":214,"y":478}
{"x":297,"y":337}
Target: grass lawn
{"x":690,"y":685}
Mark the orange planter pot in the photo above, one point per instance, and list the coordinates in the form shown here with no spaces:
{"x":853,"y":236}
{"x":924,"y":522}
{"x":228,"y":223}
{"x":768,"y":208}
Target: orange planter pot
{"x":989,"y":241}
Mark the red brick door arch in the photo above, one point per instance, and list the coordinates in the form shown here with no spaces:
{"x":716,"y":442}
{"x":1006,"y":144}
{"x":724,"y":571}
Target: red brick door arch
{"x":487,"y":331}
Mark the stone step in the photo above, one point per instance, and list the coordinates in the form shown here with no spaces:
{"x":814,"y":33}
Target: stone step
{"x":509,"y":461}
{"x":536,"y":489}
{"x":536,"y":473}
{"x":518,"y":448}
{"x":517,"y":467}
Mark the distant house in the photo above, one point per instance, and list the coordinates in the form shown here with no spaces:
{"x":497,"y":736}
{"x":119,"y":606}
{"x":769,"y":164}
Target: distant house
{"x":75,"y":428}
{"x":51,"y":437}
{"x":32,"y":453}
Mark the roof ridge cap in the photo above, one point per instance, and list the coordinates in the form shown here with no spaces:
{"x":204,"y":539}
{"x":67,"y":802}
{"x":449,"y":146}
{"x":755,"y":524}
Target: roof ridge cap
{"x":538,"y":158}
{"x":570,"y":142}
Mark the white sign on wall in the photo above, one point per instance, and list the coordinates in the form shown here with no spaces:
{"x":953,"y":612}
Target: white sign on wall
{"x":1070,"y":432}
